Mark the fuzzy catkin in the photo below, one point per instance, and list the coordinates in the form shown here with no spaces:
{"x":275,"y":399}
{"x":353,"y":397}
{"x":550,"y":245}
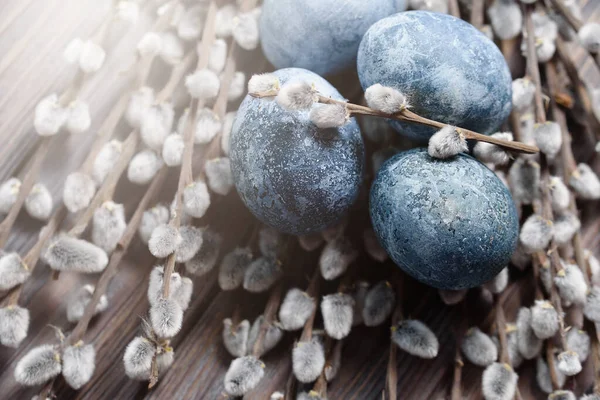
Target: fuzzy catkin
{"x":206,"y":257}
{"x":379,"y":303}
{"x":164,"y":240}
{"x":568,"y":363}
{"x":479,"y":348}
{"x":591,"y":309}
{"x":385,"y":99}
{"x":529,"y":344}
{"x":191,"y":241}
{"x":235,"y":338}
{"x":296,"y":96}
{"x":79,"y":362}
{"x":579,"y":341}
{"x":196,"y":199}
{"x":67,"y":253}
{"x":243,"y":375}
{"x":245,"y":31}
{"x":140,"y":101}
{"x":261,"y":274}
{"x":585,"y":182}
{"x":156,"y":124}
{"x":39,"y":365}
{"x":308,"y":360}
{"x":39,"y":203}
{"x":536,"y":233}
{"x":338,"y":312}
{"x":447,"y":142}
{"x":232,"y":268}
{"x":79,"y":301}
{"x":207,"y":126}
{"x":138,"y":358}
{"x":166,"y":317}
{"x":106,"y":160}
{"x":13,"y":271}
{"x":108,"y":225}
{"x":156,"y":282}
{"x":9,"y":191}
{"x":499,"y":382}
{"x":296,"y":308}
{"x":152,"y":218}
{"x":571,"y":285}
{"x":14,"y":324}
{"x":79,"y":191}
{"x":172,"y":151}
{"x":544,"y":319}
{"x":415,"y":338}
{"x":336,"y":256}
{"x":219,"y":176}
{"x":143,"y":167}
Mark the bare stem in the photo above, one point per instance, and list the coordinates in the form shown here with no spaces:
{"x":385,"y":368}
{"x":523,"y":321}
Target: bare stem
{"x":476,"y":18}
{"x":268,"y":318}
{"x":312,"y":291}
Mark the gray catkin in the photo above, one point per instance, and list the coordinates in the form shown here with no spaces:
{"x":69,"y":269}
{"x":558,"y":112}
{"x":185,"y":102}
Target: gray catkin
{"x":336,"y":256}
{"x":359,"y":294}
{"x":571,"y":285}
{"x":191,"y":241}
{"x":295,"y":96}
{"x":447,"y":143}
{"x":585,"y":182}
{"x":524,"y":180}
{"x":166,"y":317}
{"x":235,"y":338}
{"x":308,"y":360}
{"x":591,"y":308}
{"x":498,"y":283}
{"x":38,"y":366}
{"x":196,"y":199}
{"x":108,"y":225}
{"x":499,"y":382}
{"x":183,"y":295}
{"x":79,"y":362}
{"x":272,"y":337}
{"x":579,"y":341}
{"x":14,"y":324}
{"x":529,"y":344}
{"x":152,"y":218}
{"x":565,"y":227}
{"x":79,"y":191}
{"x":106,"y":160}
{"x":338,"y":312}
{"x":206,"y":257}
{"x":218,"y":174}
{"x":39,"y":203}
{"x":233,"y":266}
{"x":379,"y":303}
{"x":562,"y":395}
{"x":296,"y":308}
{"x":164,"y":240}
{"x":13,"y":271}
{"x":243,"y":375}
{"x":415,"y":338}
{"x":479,"y":348}
{"x":172,"y":151}
{"x":67,"y":253}
{"x":138,"y":357}
{"x":568,"y":363}
{"x":9,"y":191}
{"x":542,"y":376}
{"x":536,"y":233}
{"x":270,"y":242}
{"x":143,"y":167}
{"x":155,"y":284}
{"x":261,"y":274}
{"x":79,"y":301}
{"x":544,"y":319}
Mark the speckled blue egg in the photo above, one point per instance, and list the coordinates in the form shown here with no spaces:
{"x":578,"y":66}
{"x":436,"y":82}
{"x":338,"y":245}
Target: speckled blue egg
{"x":449,"y":71}
{"x":293,"y":176}
{"x":450,"y":224}
{"x":319,"y":35}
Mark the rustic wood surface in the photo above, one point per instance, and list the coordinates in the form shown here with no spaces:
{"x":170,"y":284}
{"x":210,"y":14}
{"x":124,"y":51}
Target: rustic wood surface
{"x":33,"y":34}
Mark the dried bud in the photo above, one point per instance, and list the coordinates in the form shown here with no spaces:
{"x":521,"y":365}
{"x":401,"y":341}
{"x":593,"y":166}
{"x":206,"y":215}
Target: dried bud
{"x":479,"y":348}
{"x":296,"y":309}
{"x":106,"y":160}
{"x":218,"y":174}
{"x":218,"y":56}
{"x":548,"y":138}
{"x":270,"y":242}
{"x":561,"y":196}
{"x":529,"y":344}
{"x":226,"y":132}
{"x":138,"y":358}
{"x":524,"y":179}
{"x":78,"y":303}
{"x":224,"y":20}
{"x":543,"y":377}
{"x":13,"y":271}
{"x":203,"y":84}
{"x":38,"y":203}
{"x":235,"y":338}
{"x":79,"y":191}
{"x":141,"y":100}
{"x":165,"y":239}
{"x":143,"y":166}
{"x":261,"y":274}
{"x":243,"y":375}
{"x":296,"y":96}
{"x":14,"y":324}
{"x":336,"y":256}
{"x":67,"y":253}
{"x":591,"y":308}
{"x":150,"y":44}
{"x":585,"y":182}
{"x":50,"y":116}
{"x":152,"y":218}
{"x":79,"y":362}
{"x":39,"y":365}
{"x":9,"y":191}
{"x":379,"y":303}
{"x":385,"y":99}
{"x":272,"y":337}
{"x":191,"y":23}
{"x":571,"y":285}
{"x":326,"y":116}
{"x":415,"y":338}
{"x":544,"y":319}
{"x":579,"y":341}
{"x":108,"y":225}
{"x":79,"y":119}
{"x":206,"y":257}
{"x":523,"y":91}
{"x":171,"y":50}
{"x":451,"y":297}
{"x":492,"y":154}
{"x":589,"y":36}
{"x":156,"y":124}
{"x":498,"y":283}
{"x":499,"y":382}
{"x":310,"y":242}
{"x":568,"y":363}
{"x":245,"y":31}
{"x":166,"y":317}
{"x":262,"y":83}
{"x":308,"y":360}
{"x":91,"y":58}
{"x":536,"y":233}
{"x":338,"y":312}
{"x":233,"y":266}
{"x":562,"y":395}
{"x":447,"y":143}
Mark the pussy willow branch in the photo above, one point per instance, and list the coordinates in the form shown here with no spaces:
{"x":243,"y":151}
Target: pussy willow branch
{"x":312,"y":291}
{"x":320,"y":386}
{"x":269,"y":315}
{"x":391,"y":381}
{"x":477,"y":11}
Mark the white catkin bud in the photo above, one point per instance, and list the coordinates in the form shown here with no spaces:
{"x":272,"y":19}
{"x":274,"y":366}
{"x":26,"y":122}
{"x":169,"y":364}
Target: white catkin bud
{"x":326,"y":116}
{"x":414,"y":337}
{"x":203,"y":84}
{"x":79,"y":191}
{"x":13,"y":271}
{"x":245,"y":31}
{"x":590,"y":397}
{"x":140,"y":101}
{"x":579,"y":341}
{"x":337,"y":255}
{"x":561,"y":196}
{"x":571,"y":285}
{"x":39,"y":203}
{"x":308,"y":360}
{"x":447,"y":142}
{"x":589,"y":36}
{"x":585,"y":182}
{"x":310,"y":242}
{"x":106,"y":160}
{"x":296,"y":308}
{"x":128,"y":11}
{"x":164,"y":240}
{"x":379,"y":303}
{"x":243,"y":375}
{"x":152,"y":218}
{"x":548,"y":138}
{"x":138,"y":358}
{"x":80,"y":299}
{"x":492,"y":154}
{"x":218,"y":174}
{"x":166,"y":317}
{"x":385,"y":99}
{"x":568,"y":363}
{"x":224,"y":20}
{"x":565,"y":227}
{"x":172,"y":151}
{"x":143,"y":166}
{"x":479,"y":348}
{"x":337,"y":310}
{"x":206,"y":258}
{"x":562,"y":395}
{"x":272,"y":337}
{"x":529,"y":344}
{"x":499,"y":382}
{"x":79,"y":119}
{"x":536,"y":233}
{"x":172,"y":49}
{"x":523,"y":91}
{"x":235,"y":338}
{"x":79,"y":362}
{"x":70,"y":254}
{"x":544,"y":319}
{"x":270,"y":242}
{"x":451,"y":297}
{"x":91,"y":58}
{"x":191,"y":23}
{"x":544,"y":26}
{"x":591,"y":308}
{"x":155,"y":285}
{"x":14,"y":324}
{"x":514,"y":355}
{"x":72,"y":52}
{"x":208,"y":125}
{"x":49,"y":116}
{"x":191,"y":241}
{"x":150,"y":44}
{"x":196,"y":199}
{"x":439,"y":6}
{"x":296,"y":96}
{"x":359,"y":294}
{"x":506,"y":19}
{"x":183,"y":295}
{"x":262,"y":83}
{"x":108,"y":225}
{"x":165,"y":357}
{"x":277,"y":396}
{"x":9,"y":191}
{"x":39,"y":365}
{"x":499,"y":283}
{"x":156,"y":124}
{"x":232,"y":268}
{"x":261,"y":274}
{"x":543,"y":378}
{"x":524,"y":180}
{"x":237,"y":86}
{"x":218,"y":56}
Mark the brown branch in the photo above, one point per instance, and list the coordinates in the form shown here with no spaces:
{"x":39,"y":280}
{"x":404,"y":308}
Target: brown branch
{"x":501,"y":327}
{"x":532,"y":65}
{"x":476,"y":17}
{"x":575,"y":23}
{"x":312,"y":291}
{"x":453,"y":8}
{"x":391,"y":381}
{"x":551,"y":366}
{"x":268,"y":318}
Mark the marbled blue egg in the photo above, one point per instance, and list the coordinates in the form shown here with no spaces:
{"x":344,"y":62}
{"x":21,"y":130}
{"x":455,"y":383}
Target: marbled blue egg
{"x":319,"y":35}
{"x":450,"y":224}
{"x":449,"y":71}
{"x":293,"y":176}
